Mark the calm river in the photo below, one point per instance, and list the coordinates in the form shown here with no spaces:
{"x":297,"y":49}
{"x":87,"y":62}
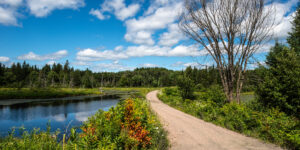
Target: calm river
{"x":62,"y":113}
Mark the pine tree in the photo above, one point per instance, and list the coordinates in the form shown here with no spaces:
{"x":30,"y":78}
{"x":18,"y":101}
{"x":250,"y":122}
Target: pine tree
{"x":281,"y":86}
{"x":294,"y":36}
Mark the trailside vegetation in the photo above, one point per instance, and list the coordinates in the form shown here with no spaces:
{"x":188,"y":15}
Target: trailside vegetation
{"x":250,"y":118}
{"x":129,"y":125}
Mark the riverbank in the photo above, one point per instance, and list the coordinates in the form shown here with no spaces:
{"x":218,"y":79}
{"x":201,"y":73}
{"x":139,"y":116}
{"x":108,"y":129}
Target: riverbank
{"x":52,"y":93}
{"x":42,"y":93}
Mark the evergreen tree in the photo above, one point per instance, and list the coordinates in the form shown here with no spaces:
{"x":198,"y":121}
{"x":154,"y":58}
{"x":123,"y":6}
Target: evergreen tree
{"x":281,"y":86}
{"x":294,"y":36}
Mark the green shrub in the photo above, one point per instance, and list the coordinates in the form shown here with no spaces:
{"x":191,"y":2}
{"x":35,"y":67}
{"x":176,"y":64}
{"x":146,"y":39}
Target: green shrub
{"x":215,"y":94}
{"x":186,"y":87}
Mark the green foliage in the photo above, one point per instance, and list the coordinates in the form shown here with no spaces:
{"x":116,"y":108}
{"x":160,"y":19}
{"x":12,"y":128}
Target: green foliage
{"x":215,"y":94}
{"x":251,"y":118}
{"x":58,"y":75}
{"x":129,"y":125}
{"x":88,"y":79}
{"x":294,"y":36}
{"x":186,"y":87}
{"x":281,"y":86}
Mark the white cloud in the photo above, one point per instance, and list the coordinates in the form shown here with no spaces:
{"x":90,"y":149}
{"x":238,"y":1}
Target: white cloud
{"x":119,"y":48}
{"x":118,"y":8}
{"x":81,"y":63}
{"x":54,"y":56}
{"x":11,"y":2}
{"x":4,"y":59}
{"x":181,"y":64}
{"x":283,"y":18}
{"x":264,"y":48}
{"x":51,"y":62}
{"x":147,"y":65}
{"x":139,"y":51}
{"x":178,"y":51}
{"x":177,"y":64}
{"x":94,"y":55}
{"x":8,"y":16}
{"x":111,"y":67}
{"x":126,"y":12}
{"x":172,"y":37}
{"x":97,"y":13}
{"x":42,"y":8}
{"x":140,"y":37}
{"x":140,"y":30}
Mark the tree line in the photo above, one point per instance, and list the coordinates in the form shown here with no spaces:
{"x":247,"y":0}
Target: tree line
{"x":20,"y":75}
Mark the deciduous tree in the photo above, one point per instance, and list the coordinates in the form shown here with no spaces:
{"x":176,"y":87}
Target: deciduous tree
{"x":230,"y":31}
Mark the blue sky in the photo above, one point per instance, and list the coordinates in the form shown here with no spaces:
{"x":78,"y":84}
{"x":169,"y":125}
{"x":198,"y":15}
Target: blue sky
{"x":106,"y":35}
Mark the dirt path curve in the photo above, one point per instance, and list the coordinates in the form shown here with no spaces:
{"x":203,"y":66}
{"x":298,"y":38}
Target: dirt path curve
{"x":187,"y":132}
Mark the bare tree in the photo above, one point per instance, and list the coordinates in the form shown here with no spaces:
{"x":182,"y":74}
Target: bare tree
{"x":231,"y":31}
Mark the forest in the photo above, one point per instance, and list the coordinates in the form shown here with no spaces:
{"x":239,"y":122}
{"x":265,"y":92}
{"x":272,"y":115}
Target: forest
{"x":24,"y":75}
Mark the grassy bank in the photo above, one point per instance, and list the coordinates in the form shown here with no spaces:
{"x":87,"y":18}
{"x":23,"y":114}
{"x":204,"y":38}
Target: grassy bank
{"x":249,"y":118}
{"x":129,"y":125}
{"x":27,"y":93}
{"x":35,"y":93}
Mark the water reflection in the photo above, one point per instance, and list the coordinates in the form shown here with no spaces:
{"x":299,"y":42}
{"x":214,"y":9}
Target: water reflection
{"x":61,"y":113}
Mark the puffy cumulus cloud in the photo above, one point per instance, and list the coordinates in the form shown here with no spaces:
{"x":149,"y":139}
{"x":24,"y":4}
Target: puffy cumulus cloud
{"x":177,"y":64}
{"x":182,"y":50}
{"x":283,"y":18}
{"x":42,"y":8}
{"x":81,"y":63}
{"x":140,"y":37}
{"x":4,"y":59}
{"x":181,"y":64}
{"x":191,"y":64}
{"x":97,"y":13}
{"x":54,"y":56}
{"x":264,"y":48}
{"x":256,"y":64}
{"x":8,"y":12}
{"x":158,"y":16}
{"x":172,"y":37}
{"x":148,"y":65}
{"x":138,"y":51}
{"x":11,"y":2}
{"x":111,"y":67}
{"x":178,"y":51}
{"x":94,"y":55}
{"x":52,"y":62}
{"x":119,"y":48}
{"x":118,"y":8}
